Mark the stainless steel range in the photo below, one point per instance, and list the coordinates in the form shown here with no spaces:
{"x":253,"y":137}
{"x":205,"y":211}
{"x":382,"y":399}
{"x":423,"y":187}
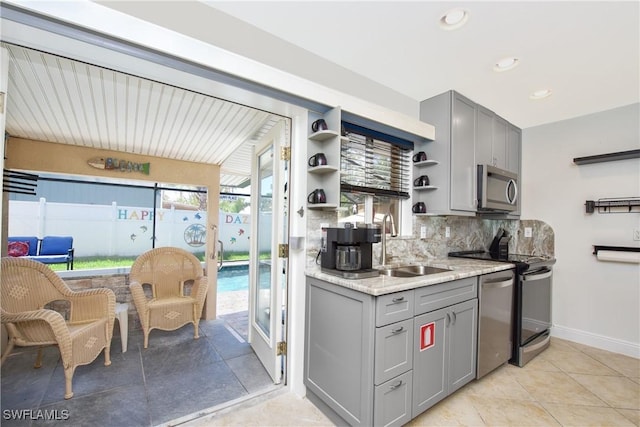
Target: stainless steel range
{"x":531,"y":304}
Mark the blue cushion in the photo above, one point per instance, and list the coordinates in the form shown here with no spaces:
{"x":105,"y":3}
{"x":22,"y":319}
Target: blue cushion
{"x":56,"y":245}
{"x":33,"y":243}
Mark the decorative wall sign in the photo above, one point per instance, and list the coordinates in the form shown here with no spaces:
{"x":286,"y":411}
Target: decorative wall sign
{"x":110,"y":163}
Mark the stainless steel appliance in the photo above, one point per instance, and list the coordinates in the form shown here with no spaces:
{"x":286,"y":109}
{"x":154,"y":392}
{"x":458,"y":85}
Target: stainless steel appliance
{"x":495,"y":333}
{"x":347,"y":252}
{"x":497,"y":189}
{"x":531,"y":304}
{"x":533,"y":295}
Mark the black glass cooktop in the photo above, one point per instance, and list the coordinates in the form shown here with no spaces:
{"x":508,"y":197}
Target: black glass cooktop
{"x":511,"y":258}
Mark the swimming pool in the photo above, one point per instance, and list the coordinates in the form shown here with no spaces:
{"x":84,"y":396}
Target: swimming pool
{"x":233,"y":278}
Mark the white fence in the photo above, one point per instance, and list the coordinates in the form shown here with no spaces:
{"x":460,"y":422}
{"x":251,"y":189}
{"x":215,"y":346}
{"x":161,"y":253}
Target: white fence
{"x":103,"y":230}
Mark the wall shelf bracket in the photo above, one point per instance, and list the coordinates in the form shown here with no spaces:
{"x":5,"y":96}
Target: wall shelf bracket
{"x":614,"y":205}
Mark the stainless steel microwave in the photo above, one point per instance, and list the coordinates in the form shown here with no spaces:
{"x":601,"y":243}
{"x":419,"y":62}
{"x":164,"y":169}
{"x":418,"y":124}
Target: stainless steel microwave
{"x":497,"y":189}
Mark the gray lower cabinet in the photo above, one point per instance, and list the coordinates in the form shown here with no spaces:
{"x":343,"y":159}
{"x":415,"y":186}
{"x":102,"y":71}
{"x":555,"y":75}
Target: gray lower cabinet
{"x":445,"y":358}
{"x":363,"y":364}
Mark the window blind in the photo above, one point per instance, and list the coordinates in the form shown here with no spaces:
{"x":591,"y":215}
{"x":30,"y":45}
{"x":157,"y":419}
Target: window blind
{"x":373,"y":166}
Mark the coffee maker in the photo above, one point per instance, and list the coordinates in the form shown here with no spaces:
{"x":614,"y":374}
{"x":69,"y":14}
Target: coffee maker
{"x":347,"y":252}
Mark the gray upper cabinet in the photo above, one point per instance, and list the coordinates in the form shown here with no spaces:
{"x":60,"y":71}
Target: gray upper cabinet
{"x":467,"y":134}
{"x":454,"y":118}
{"x":463,"y":163}
{"x":484,"y":140}
{"x":491,"y":139}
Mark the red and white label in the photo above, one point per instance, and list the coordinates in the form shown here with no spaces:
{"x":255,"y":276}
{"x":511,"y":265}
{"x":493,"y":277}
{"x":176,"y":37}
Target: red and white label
{"x":427,"y":336}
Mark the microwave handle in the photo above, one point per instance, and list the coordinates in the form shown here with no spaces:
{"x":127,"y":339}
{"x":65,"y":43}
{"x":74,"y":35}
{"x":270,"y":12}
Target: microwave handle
{"x":512,"y":183}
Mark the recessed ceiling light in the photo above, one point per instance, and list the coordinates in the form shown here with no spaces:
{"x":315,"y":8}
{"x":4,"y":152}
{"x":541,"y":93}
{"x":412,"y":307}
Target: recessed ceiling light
{"x":455,"y":18}
{"x":540,"y":94}
{"x":506,"y":63}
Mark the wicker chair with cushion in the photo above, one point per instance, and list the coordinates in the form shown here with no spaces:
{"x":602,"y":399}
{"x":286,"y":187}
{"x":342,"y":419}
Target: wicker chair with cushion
{"x":27,"y":287}
{"x":178,"y":289}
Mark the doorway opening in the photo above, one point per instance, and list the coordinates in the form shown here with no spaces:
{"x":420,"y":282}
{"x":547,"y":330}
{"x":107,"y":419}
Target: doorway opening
{"x":156,"y":119}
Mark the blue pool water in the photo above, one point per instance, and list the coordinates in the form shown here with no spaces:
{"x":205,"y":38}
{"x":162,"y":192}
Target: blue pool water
{"x":233,"y":278}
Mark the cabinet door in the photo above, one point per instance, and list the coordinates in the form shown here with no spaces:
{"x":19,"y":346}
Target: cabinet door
{"x":463,"y":164}
{"x":514,"y":146}
{"x":462,"y":337}
{"x":392,"y":402}
{"x":339,"y":344}
{"x":484,"y":136}
{"x":430,"y":375}
{"x":499,"y":146}
{"x":393,"y":350}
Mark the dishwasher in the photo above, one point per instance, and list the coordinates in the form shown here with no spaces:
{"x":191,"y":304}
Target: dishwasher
{"x":495,"y":321}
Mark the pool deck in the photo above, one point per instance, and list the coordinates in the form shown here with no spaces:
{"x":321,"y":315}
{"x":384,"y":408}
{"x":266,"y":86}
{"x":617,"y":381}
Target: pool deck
{"x":233,"y":308}
{"x":232,"y":302}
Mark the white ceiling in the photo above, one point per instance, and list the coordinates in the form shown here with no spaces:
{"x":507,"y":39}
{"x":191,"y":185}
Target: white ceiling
{"x":587,"y":53}
{"x":55,"y":99}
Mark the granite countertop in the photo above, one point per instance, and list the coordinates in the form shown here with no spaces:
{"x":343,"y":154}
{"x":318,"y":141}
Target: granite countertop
{"x":382,"y":285}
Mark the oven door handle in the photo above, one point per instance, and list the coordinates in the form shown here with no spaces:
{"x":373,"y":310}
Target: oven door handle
{"x":498,"y":284}
{"x":529,"y":349}
{"x":537,"y":276}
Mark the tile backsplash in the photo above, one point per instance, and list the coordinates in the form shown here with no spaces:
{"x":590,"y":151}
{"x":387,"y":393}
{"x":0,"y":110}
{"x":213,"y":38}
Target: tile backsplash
{"x":466,"y":233}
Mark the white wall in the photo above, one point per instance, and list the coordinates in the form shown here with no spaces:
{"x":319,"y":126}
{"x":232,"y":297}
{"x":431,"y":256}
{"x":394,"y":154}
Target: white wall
{"x":596,"y":303}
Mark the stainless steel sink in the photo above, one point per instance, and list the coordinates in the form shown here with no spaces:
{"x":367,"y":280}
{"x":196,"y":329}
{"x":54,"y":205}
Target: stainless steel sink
{"x":411,"y":271}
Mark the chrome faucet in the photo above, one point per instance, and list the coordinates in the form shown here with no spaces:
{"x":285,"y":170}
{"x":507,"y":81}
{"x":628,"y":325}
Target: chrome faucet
{"x":383,"y":252}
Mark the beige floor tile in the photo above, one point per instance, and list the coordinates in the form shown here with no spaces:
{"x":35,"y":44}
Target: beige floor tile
{"x":586,"y":416}
{"x":505,"y":412}
{"x":540,"y":363}
{"x":627,"y":366}
{"x":631,"y":415}
{"x":456,"y":410}
{"x":578,"y":363}
{"x":499,"y":383}
{"x":618,"y":392}
{"x":556,"y":387}
{"x":282,"y":410}
{"x":565,"y":345}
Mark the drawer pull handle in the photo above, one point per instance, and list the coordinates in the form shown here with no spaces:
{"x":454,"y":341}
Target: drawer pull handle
{"x":396,"y":330}
{"x":398,"y":299}
{"x":396,"y":385}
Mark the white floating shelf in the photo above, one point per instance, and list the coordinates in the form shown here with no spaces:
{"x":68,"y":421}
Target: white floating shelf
{"x":323,"y":135}
{"x":322,"y":169}
{"x":322,"y":206}
{"x":427,"y":163}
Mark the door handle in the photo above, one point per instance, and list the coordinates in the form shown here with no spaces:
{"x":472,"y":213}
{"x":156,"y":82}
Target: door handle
{"x":447,"y":321}
{"x":221,"y":257}
{"x":512,"y":184}
{"x":453,"y":313}
{"x":395,"y":385}
{"x":396,"y":330}
{"x":498,"y":284}
{"x":397,"y":299}
{"x":537,"y":276}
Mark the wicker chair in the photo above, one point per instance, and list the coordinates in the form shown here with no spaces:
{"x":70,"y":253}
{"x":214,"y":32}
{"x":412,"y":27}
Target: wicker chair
{"x":27,"y":287}
{"x":169,"y":272}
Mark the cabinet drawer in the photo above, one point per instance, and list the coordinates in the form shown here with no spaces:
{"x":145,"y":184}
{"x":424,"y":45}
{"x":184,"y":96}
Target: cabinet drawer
{"x":392,"y":401}
{"x":393,"y":353}
{"x":434,"y":297}
{"x":394,"y":307}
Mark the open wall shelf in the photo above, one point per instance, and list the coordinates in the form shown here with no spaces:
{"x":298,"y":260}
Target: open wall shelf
{"x":609,"y":157}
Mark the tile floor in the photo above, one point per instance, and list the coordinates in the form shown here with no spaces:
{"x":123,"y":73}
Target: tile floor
{"x":174,"y":377}
{"x":567,"y":385}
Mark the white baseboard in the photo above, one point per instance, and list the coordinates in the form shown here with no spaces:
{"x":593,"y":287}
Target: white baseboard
{"x":598,"y":341}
